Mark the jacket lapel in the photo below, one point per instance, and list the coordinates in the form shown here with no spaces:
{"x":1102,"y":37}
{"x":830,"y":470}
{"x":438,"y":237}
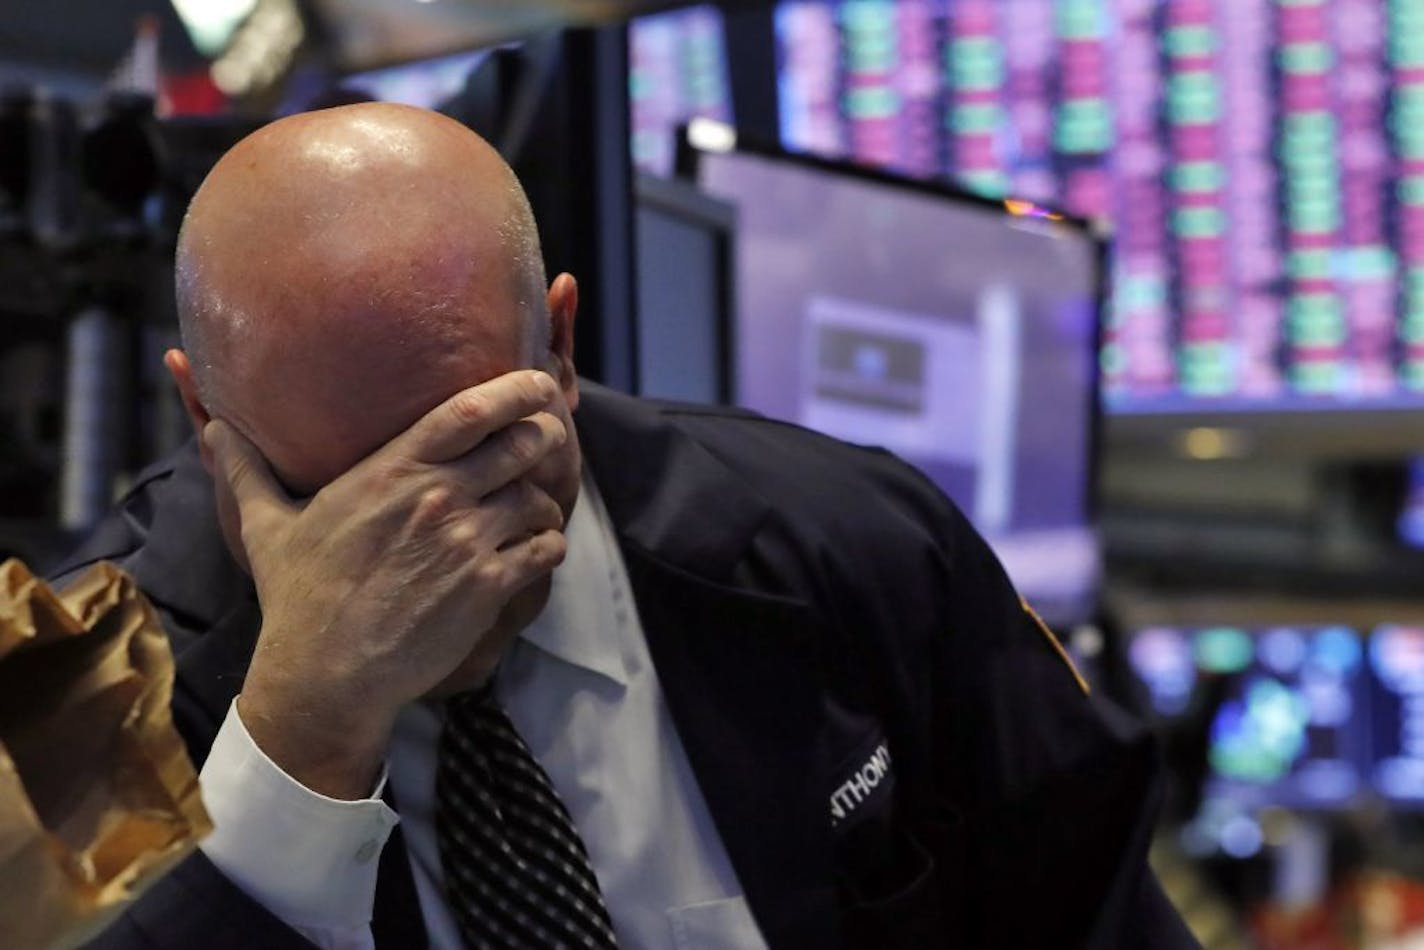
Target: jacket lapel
{"x":739,"y":669}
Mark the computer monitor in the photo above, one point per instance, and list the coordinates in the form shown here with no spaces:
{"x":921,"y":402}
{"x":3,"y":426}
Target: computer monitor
{"x":1294,"y":727}
{"x":955,"y":331}
{"x":685,"y":243}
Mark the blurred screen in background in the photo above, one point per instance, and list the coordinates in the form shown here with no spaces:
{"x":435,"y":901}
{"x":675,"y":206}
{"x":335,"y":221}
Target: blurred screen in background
{"x":927,"y":323}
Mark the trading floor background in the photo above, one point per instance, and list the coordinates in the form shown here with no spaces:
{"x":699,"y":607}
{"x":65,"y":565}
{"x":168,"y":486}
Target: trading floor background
{"x":1138,"y":283}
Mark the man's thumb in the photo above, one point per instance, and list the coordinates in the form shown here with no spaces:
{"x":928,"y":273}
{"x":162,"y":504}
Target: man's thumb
{"x":248,"y":477}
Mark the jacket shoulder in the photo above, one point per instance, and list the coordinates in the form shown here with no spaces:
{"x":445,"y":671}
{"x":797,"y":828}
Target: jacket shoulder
{"x":165,"y":533}
{"x":119,"y":535}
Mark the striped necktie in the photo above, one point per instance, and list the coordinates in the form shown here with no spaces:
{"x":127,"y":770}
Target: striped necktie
{"x":516,"y":872}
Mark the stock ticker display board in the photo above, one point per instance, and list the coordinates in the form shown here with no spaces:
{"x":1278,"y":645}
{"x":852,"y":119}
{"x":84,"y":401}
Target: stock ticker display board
{"x":1261,"y":163}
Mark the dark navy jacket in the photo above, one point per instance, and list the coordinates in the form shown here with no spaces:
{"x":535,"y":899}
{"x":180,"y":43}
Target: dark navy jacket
{"x":893,"y":751}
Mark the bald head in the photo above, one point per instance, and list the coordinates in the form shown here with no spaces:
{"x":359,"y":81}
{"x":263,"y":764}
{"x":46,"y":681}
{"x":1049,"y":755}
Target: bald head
{"x":341,"y":272}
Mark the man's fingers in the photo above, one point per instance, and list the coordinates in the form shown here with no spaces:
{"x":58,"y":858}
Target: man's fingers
{"x":520,"y":564}
{"x":258,"y":495}
{"x":511,"y":453}
{"x":519,"y":510}
{"x":467,"y":418}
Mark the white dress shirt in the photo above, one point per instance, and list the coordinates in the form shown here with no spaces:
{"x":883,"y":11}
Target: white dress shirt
{"x":581,"y":689}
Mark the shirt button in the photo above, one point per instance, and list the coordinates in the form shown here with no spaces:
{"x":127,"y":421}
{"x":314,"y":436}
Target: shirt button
{"x":366,"y":852}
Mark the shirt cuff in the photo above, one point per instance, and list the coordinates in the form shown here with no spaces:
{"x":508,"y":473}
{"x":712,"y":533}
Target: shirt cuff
{"x":309,"y":859}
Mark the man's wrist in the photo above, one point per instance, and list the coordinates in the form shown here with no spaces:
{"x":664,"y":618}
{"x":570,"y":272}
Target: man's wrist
{"x":334,"y":745}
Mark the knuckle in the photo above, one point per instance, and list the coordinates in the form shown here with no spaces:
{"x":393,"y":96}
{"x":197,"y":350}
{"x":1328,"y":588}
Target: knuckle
{"x":560,"y":430}
{"x":550,"y":513}
{"x":470,"y":407}
{"x":549,"y":548}
{"x":384,"y":478}
{"x":494,"y":575}
{"x":464,"y":538}
{"x":436,"y":498}
{"x":530,"y":554}
{"x":536,"y":388}
{"x":397,"y":468}
{"x":433,"y":504}
{"x":250,"y":535}
{"x":527,"y":386}
{"x":522,"y":446}
{"x":551,"y":428}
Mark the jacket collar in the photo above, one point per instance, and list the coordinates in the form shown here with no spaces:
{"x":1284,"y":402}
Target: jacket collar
{"x":675,"y":499}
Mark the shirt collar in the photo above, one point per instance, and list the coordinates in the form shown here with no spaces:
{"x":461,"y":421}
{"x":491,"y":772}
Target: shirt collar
{"x":590,"y":606}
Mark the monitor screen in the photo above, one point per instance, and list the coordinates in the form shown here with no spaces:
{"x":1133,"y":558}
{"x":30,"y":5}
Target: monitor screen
{"x":1294,"y":727}
{"x":1261,"y":163}
{"x":942,"y":327}
{"x":684,"y":241}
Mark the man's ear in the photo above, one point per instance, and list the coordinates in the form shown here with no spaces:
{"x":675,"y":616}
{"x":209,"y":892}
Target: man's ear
{"x":563,"y":309}
{"x":182,"y":372}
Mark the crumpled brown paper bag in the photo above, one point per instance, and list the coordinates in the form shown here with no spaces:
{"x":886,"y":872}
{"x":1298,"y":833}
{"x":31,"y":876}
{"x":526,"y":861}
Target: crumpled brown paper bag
{"x":97,"y":795}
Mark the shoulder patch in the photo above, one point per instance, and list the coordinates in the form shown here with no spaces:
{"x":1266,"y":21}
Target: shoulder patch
{"x":1057,"y":646}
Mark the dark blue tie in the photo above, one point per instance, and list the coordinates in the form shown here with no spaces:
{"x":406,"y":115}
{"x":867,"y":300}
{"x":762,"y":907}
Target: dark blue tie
{"x":516,"y":872}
